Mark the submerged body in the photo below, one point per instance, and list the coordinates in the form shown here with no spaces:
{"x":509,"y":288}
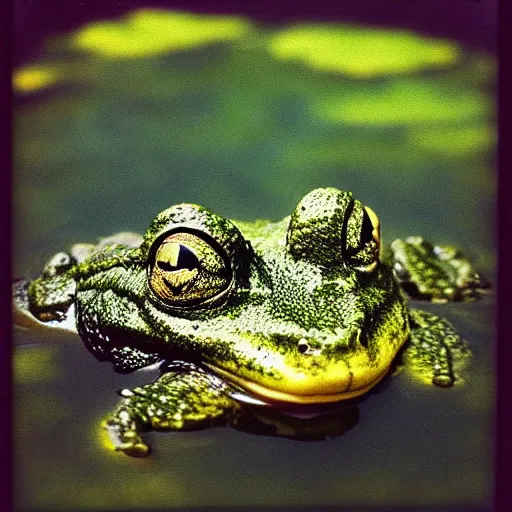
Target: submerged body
{"x":289,"y":315}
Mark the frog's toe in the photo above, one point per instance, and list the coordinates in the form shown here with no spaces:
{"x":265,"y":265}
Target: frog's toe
{"x":134,"y":449}
{"x":430,"y":360}
{"x":443,"y":380}
{"x":126,"y":438}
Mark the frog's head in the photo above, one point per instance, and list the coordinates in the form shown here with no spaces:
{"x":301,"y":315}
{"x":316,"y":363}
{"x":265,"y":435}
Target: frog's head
{"x":300,"y":311}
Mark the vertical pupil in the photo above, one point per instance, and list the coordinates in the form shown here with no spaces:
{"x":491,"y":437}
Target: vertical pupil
{"x":186,"y":260}
{"x":366,"y":228}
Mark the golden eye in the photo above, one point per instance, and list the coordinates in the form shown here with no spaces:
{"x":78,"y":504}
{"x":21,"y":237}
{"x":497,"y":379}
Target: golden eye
{"x":372,"y":225}
{"x":363,"y":238}
{"x":187,"y":271}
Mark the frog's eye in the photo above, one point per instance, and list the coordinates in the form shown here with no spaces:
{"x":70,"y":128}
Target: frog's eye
{"x":362,"y":238}
{"x":185,"y":270}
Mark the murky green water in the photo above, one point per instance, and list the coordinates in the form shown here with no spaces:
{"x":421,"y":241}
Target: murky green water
{"x":246,"y":121}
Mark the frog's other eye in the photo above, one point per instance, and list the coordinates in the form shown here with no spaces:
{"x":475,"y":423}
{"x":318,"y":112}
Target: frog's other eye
{"x":362,"y":238}
{"x":186,"y":270}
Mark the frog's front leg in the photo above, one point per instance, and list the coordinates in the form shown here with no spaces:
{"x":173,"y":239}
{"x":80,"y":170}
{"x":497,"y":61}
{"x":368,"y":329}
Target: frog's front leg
{"x":185,"y":397}
{"x":435,"y":351}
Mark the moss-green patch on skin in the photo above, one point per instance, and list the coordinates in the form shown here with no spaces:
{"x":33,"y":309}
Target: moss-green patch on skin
{"x":298,"y":312}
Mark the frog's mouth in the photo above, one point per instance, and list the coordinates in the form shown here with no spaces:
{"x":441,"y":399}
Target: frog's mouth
{"x":307,"y":392}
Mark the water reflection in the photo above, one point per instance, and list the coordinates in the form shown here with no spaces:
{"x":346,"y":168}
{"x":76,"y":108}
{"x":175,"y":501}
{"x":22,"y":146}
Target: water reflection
{"x":267,"y":422}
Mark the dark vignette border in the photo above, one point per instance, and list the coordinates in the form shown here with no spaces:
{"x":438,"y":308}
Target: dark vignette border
{"x":5,"y":254}
{"x":503,"y":433}
{"x":471,"y":22}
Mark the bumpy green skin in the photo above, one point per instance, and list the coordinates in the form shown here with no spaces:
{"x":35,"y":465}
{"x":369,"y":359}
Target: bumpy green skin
{"x":168,"y":404}
{"x":304,"y":297}
{"x":438,"y":273}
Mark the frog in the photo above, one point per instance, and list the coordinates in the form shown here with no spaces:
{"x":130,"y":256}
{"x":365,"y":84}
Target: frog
{"x":304,"y":315}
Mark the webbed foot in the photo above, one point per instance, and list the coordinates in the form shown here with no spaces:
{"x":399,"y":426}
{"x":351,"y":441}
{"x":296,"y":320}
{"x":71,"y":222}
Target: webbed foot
{"x":124,"y":434}
{"x":439,"y":273}
{"x":183,"y":399}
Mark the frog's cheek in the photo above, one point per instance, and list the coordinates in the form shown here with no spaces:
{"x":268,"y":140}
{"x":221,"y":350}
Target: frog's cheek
{"x":347,"y":378}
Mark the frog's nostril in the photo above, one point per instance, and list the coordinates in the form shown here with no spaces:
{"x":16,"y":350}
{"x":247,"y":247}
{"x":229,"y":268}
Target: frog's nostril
{"x":303,"y":346}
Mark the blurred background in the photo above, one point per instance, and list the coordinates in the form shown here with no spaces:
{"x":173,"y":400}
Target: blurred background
{"x":124,"y":108}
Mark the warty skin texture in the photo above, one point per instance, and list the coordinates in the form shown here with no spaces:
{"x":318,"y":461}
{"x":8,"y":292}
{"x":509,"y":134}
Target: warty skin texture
{"x":297,"y":312}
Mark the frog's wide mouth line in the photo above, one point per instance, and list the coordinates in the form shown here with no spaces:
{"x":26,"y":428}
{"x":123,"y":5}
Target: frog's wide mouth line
{"x":275,"y":395}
